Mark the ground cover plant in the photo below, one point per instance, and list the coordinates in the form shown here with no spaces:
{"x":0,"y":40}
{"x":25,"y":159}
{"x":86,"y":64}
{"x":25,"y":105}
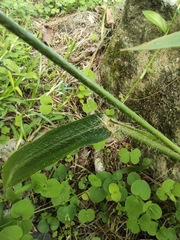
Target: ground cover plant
{"x":51,"y":7}
{"x":65,"y":202}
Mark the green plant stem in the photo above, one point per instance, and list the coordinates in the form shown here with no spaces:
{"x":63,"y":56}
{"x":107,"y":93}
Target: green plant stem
{"x":142,"y":75}
{"x":172,"y":21}
{"x":44,"y":209}
{"x":146,"y":138}
{"x":60,"y":61}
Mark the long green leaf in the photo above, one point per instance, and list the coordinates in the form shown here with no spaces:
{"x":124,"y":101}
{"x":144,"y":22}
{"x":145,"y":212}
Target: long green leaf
{"x":53,"y":146}
{"x":167,"y":41}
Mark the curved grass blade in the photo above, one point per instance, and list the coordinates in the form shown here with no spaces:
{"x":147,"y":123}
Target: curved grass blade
{"x":167,"y":41}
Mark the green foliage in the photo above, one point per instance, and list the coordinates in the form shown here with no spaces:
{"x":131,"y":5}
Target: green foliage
{"x":167,"y":41}
{"x":60,"y":172}
{"x":19,"y":9}
{"x":10,"y":232}
{"x":48,"y":9}
{"x":48,"y":223}
{"x":86,"y":215}
{"x":132,"y":177}
{"x":131,"y":196}
{"x":169,"y":189}
{"x":18,"y":74}
{"x":99,"y":145}
{"x":20,"y":219}
{"x":43,"y":226}
{"x":23,"y":86}
{"x":166,"y":234}
{"x":141,"y":214}
{"x":132,"y":156}
{"x":83,"y":92}
{"x":166,"y":143}
{"x":52,"y":7}
{"x":67,"y":213}
{"x":110,"y":112}
{"x":89,"y":73}
{"x":128,"y":195}
{"x":96,"y":198}
{"x":156,"y":18}
{"x":4,"y":138}
{"x":114,"y":192}
{"x":94,"y":37}
{"x":46,"y":104}
{"x":48,"y":188}
{"x":141,"y":188}
{"x":23,"y":209}
{"x":71,"y":46}
{"x":90,"y":106}
{"x":64,"y":194}
{"x":94,"y":180}
{"x":52,"y":146}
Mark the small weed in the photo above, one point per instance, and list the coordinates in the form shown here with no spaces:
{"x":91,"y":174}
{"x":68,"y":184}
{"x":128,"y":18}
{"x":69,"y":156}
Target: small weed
{"x":19,"y":9}
{"x":26,"y":100}
{"x":52,"y":7}
{"x":133,"y":199}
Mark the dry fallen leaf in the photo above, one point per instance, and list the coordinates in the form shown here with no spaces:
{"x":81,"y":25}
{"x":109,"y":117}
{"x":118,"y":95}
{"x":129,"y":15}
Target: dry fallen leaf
{"x":109,"y":18}
{"x":47,"y":34}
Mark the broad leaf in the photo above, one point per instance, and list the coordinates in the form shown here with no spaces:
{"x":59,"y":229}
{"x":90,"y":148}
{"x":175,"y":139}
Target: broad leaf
{"x":96,"y":194}
{"x":156,"y":18}
{"x":66,"y":214}
{"x":141,"y":188}
{"x":23,"y":209}
{"x":53,"y":146}
{"x":135,"y":155}
{"x":132,"y":177}
{"x":154,"y":211}
{"x":86,"y":215}
{"x":133,"y":206}
{"x":132,"y":224}
{"x":11,"y":232}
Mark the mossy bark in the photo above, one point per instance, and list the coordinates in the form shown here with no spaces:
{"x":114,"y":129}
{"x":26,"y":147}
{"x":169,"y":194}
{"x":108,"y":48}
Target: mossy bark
{"x":156,"y":98}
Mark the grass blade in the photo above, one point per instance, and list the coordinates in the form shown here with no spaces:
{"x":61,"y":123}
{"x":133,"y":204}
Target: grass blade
{"x":167,"y":41}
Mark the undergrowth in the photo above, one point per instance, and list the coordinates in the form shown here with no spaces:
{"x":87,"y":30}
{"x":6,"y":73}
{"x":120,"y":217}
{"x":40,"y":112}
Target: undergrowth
{"x":60,"y":201}
{"x":64,"y":202}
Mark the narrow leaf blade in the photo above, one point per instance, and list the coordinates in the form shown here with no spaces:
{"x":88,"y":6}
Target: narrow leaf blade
{"x":167,"y":41}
